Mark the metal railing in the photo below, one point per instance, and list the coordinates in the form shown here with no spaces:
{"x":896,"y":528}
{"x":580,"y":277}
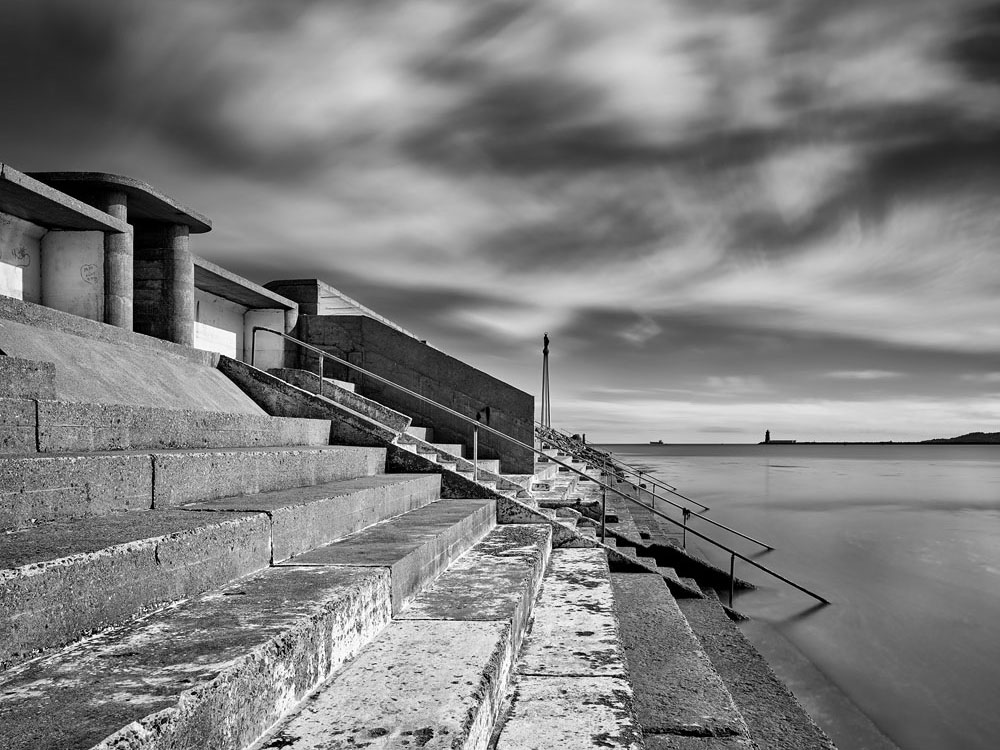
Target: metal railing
{"x":477,"y":426}
{"x":686,"y":512}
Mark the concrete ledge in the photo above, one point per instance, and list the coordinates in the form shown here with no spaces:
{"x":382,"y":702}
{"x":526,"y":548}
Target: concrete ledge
{"x":26,"y":378}
{"x":192,"y":476}
{"x":308,"y":517}
{"x":216,"y":671}
{"x":415,"y":546}
{"x":497,"y":579}
{"x":18,"y":425}
{"x":67,"y":427}
{"x":373,"y":410}
{"x":774,"y":716}
{"x":117,"y":566}
{"x":677,"y":690}
{"x":47,"y":488}
{"x":433,"y":684}
{"x":279,"y":398}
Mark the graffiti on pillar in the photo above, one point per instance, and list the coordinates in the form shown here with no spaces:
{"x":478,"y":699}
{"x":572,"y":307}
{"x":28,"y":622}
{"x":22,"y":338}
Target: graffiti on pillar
{"x":89,"y":273}
{"x":19,"y":257}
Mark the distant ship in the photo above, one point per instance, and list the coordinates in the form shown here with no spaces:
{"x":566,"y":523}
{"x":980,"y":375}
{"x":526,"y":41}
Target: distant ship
{"x":656,"y":442}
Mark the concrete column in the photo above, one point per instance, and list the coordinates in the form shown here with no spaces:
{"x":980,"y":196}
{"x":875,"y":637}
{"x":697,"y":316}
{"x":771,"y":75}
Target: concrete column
{"x":118,"y":256}
{"x":179,"y":287}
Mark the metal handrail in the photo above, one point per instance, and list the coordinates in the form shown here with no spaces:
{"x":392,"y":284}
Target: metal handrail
{"x":687,"y":512}
{"x":479,"y":425}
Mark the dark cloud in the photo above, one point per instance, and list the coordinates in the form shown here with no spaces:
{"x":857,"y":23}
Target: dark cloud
{"x":976,"y":47}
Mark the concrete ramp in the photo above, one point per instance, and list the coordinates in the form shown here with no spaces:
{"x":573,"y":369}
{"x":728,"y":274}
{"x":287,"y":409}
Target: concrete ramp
{"x":104,"y":372}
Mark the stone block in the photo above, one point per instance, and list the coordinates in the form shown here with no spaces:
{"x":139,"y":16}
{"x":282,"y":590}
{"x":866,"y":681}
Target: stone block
{"x":25,"y":378}
{"x":193,"y":476}
{"x":18,"y":425}
{"x":65,"y":579}
{"x":47,"y":488}
{"x":216,"y":671}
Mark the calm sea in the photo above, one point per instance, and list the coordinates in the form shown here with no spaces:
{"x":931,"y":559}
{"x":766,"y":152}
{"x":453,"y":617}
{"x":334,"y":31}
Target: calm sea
{"x":904,"y":540}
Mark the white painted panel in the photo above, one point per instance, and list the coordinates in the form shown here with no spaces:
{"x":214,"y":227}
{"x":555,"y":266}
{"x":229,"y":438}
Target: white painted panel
{"x":20,"y":246}
{"x":11,"y":281}
{"x":221,"y":313}
{"x":214,"y":339}
{"x":270,"y":348}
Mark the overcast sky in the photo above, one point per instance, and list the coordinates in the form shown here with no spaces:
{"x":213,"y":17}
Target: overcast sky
{"x":729,"y":216}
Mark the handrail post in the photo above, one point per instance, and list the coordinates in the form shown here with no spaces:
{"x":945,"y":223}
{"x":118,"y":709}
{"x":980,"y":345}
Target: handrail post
{"x":253,"y":344}
{"x":475,"y":452}
{"x":604,"y":513}
{"x":732,"y":577}
{"x":684,"y":530}
{"x":320,"y":374}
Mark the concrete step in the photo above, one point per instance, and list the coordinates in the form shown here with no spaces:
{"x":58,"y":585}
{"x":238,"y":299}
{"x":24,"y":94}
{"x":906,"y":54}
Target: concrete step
{"x":46,"y":426}
{"x":45,"y":488}
{"x":454,"y":449}
{"x":424,"y":433}
{"x":678,"y":693}
{"x":436,"y":676}
{"x":490,"y":464}
{"x":415,"y":546}
{"x":774,"y":716}
{"x":61,"y":580}
{"x":571,"y":685}
{"x":214,"y":671}
{"x":346,"y":397}
{"x":453,"y":462}
{"x":545,"y":470}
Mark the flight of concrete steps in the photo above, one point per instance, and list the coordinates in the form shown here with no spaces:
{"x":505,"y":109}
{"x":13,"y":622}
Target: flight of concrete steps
{"x":188,"y":579}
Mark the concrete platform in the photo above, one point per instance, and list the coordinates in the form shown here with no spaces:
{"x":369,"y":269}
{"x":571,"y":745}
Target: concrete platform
{"x":428,"y":684}
{"x":62,"y":580}
{"x":677,"y":690}
{"x":303,"y":518}
{"x":775,"y":718}
{"x":571,"y":712}
{"x":575,"y":631}
{"x":213,"y":672}
{"x":496,"y":580}
{"x":415,"y":546}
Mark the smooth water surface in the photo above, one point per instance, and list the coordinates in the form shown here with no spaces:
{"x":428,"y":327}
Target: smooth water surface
{"x":903,"y":539}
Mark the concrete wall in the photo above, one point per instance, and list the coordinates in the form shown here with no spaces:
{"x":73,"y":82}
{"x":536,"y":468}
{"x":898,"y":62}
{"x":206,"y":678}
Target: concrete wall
{"x":73,"y":273}
{"x":404,"y":360}
{"x":218,"y":324}
{"x":21,"y":256}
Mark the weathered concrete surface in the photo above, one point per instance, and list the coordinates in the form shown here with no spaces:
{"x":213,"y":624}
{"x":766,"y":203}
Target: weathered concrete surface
{"x":677,"y":690}
{"x":680,"y":742}
{"x":415,"y":546}
{"x":570,"y":712}
{"x":303,"y":518}
{"x":192,"y":476}
{"x":25,"y":378}
{"x":120,"y":368}
{"x":46,"y":488}
{"x":69,"y":427}
{"x":18,"y":425}
{"x":62,"y":580}
{"x":421,"y":684}
{"x":495,"y":580}
{"x":773,"y":715}
{"x":575,"y":631}
{"x":279,"y":398}
{"x":308,"y":381}
{"x":213,"y":672}
{"x":453,"y":483}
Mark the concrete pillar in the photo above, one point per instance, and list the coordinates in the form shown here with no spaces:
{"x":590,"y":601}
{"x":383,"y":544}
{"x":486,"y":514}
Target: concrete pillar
{"x":179,"y":291}
{"x":118,"y":257}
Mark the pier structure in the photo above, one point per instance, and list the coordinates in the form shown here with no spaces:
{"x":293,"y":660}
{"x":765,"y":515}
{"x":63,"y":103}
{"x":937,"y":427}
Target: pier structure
{"x":239,"y":516}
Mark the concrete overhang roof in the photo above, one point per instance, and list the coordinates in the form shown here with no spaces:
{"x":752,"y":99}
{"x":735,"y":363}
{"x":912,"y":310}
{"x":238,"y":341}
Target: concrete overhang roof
{"x":27,"y":198}
{"x":222,"y":283}
{"x":144,"y":201}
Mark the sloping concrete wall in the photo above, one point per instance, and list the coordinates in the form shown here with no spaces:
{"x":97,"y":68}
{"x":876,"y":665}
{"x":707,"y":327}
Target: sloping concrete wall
{"x":98,"y":363}
{"x":404,"y":360}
